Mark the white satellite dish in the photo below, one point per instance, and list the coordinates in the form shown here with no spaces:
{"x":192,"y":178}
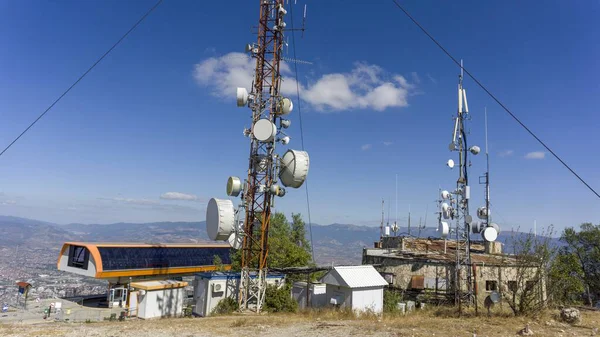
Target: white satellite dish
{"x":468,"y":218}
{"x":286,"y":106}
{"x":294,"y":168}
{"x":445,"y":206}
{"x":452,"y":147}
{"x":495,"y":226}
{"x":261,"y":163}
{"x":445,"y":195}
{"x":242,"y":97}
{"x":264,"y":130}
{"x":234,"y":186}
{"x":475,"y":149}
{"x":220,"y":219}
{"x":477,"y":227}
{"x":489,"y":234}
{"x":285,"y":140}
{"x":277,"y":190}
{"x":482,"y":213}
{"x":444,"y":229}
{"x":236,"y":239}
{"x":450,"y":163}
{"x":285,"y":123}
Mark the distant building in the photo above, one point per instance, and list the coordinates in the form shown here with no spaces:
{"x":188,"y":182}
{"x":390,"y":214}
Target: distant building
{"x":212,"y":288}
{"x":424,"y":269}
{"x":359,"y":288}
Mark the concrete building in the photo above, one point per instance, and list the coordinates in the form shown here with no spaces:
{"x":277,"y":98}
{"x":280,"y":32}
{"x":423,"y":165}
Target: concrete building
{"x":357,"y":287}
{"x":155,"y":299}
{"x":424,"y":269}
{"x":212,"y":288}
{"x":317,"y":295}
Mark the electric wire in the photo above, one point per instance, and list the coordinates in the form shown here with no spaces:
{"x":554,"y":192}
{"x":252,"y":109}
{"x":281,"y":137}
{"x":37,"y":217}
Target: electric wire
{"x":494,"y":97}
{"x":82,"y":76}
{"x":312,"y":246}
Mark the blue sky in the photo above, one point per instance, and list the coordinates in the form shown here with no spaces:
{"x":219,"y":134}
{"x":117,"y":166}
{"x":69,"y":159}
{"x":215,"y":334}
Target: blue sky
{"x":154,"y":117}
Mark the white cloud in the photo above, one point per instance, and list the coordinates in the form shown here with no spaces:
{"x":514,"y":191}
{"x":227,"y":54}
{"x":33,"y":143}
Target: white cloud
{"x":535,"y":155}
{"x":179,"y":196}
{"x":131,"y":201}
{"x":366,"y":86}
{"x":8,"y":202}
{"x":366,"y":147}
{"x":506,"y":153}
{"x":388,"y":143}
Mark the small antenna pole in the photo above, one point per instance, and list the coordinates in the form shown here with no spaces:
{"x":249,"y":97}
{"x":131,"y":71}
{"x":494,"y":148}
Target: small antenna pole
{"x":408,"y":219}
{"x":396,"y":222}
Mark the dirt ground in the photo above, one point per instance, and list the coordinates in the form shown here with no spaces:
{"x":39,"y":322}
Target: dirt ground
{"x":427,"y":323}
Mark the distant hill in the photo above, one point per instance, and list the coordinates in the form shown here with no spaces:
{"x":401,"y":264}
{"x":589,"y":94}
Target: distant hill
{"x":335,"y":243}
{"x":33,"y":233}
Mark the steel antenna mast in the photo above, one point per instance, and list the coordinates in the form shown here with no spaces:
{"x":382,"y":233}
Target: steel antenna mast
{"x":463,"y":272}
{"x":258,"y":197}
{"x":267,"y":171}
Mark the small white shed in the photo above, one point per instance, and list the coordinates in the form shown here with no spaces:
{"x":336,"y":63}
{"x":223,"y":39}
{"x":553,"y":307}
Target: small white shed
{"x":159,"y":298}
{"x":356,"y":287}
{"x":317,"y":293}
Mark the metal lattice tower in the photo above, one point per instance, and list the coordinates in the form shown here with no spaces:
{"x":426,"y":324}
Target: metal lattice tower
{"x":262,"y":169}
{"x":463,"y":272}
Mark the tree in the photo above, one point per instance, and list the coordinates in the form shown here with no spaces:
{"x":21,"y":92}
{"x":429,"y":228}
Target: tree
{"x":584,"y":247}
{"x":284,"y":250}
{"x":525,"y":290}
{"x":299,"y":231}
{"x":565,"y":279}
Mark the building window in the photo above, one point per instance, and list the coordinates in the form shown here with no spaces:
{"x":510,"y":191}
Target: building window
{"x":78,"y":257}
{"x":512,"y":286}
{"x":491,"y":285}
{"x":529,"y":285}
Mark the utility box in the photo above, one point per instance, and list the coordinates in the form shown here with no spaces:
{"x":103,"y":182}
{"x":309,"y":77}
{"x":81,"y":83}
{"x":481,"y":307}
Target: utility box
{"x":157,"y":299}
{"x":317,"y":295}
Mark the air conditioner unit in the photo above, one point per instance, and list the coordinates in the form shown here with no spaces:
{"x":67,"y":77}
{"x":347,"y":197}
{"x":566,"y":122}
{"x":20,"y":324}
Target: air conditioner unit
{"x":217,"y":287}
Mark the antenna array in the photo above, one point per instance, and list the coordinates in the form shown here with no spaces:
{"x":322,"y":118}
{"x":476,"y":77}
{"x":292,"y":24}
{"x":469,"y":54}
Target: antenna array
{"x":268,"y":172}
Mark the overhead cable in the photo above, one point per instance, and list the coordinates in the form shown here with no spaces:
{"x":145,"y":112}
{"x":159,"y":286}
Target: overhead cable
{"x":494,"y":97}
{"x":82,"y":76}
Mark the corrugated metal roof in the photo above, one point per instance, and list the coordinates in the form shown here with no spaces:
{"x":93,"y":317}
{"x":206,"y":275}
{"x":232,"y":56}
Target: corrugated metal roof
{"x":354,"y":277}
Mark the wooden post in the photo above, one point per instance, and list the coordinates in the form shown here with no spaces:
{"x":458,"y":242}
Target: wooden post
{"x":475,"y":289}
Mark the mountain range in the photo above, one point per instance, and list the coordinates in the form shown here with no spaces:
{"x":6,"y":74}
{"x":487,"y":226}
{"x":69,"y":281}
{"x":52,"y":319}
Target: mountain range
{"x":335,"y":243}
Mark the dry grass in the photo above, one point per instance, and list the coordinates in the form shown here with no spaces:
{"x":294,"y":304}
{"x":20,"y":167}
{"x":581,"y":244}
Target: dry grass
{"x":429,"y":322}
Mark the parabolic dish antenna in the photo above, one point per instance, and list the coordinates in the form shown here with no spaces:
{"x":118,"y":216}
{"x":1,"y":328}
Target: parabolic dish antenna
{"x":294,"y":168}
{"x":220,"y":219}
{"x":236,"y":239}
{"x":264,"y":130}
{"x":482,"y":213}
{"x":489,"y":234}
{"x":234,"y":186}
{"x":261,"y":162}
{"x":495,"y":226}
{"x":286,"y":106}
{"x":445,"y":195}
{"x":450,"y":163}
{"x":477,"y":227}
{"x":468,"y":218}
{"x":242,"y":97}
{"x":444,"y":229}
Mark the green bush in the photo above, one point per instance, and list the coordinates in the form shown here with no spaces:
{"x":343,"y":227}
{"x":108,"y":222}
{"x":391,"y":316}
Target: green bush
{"x":226,"y":306}
{"x":390,"y":301}
{"x":279,"y":300}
